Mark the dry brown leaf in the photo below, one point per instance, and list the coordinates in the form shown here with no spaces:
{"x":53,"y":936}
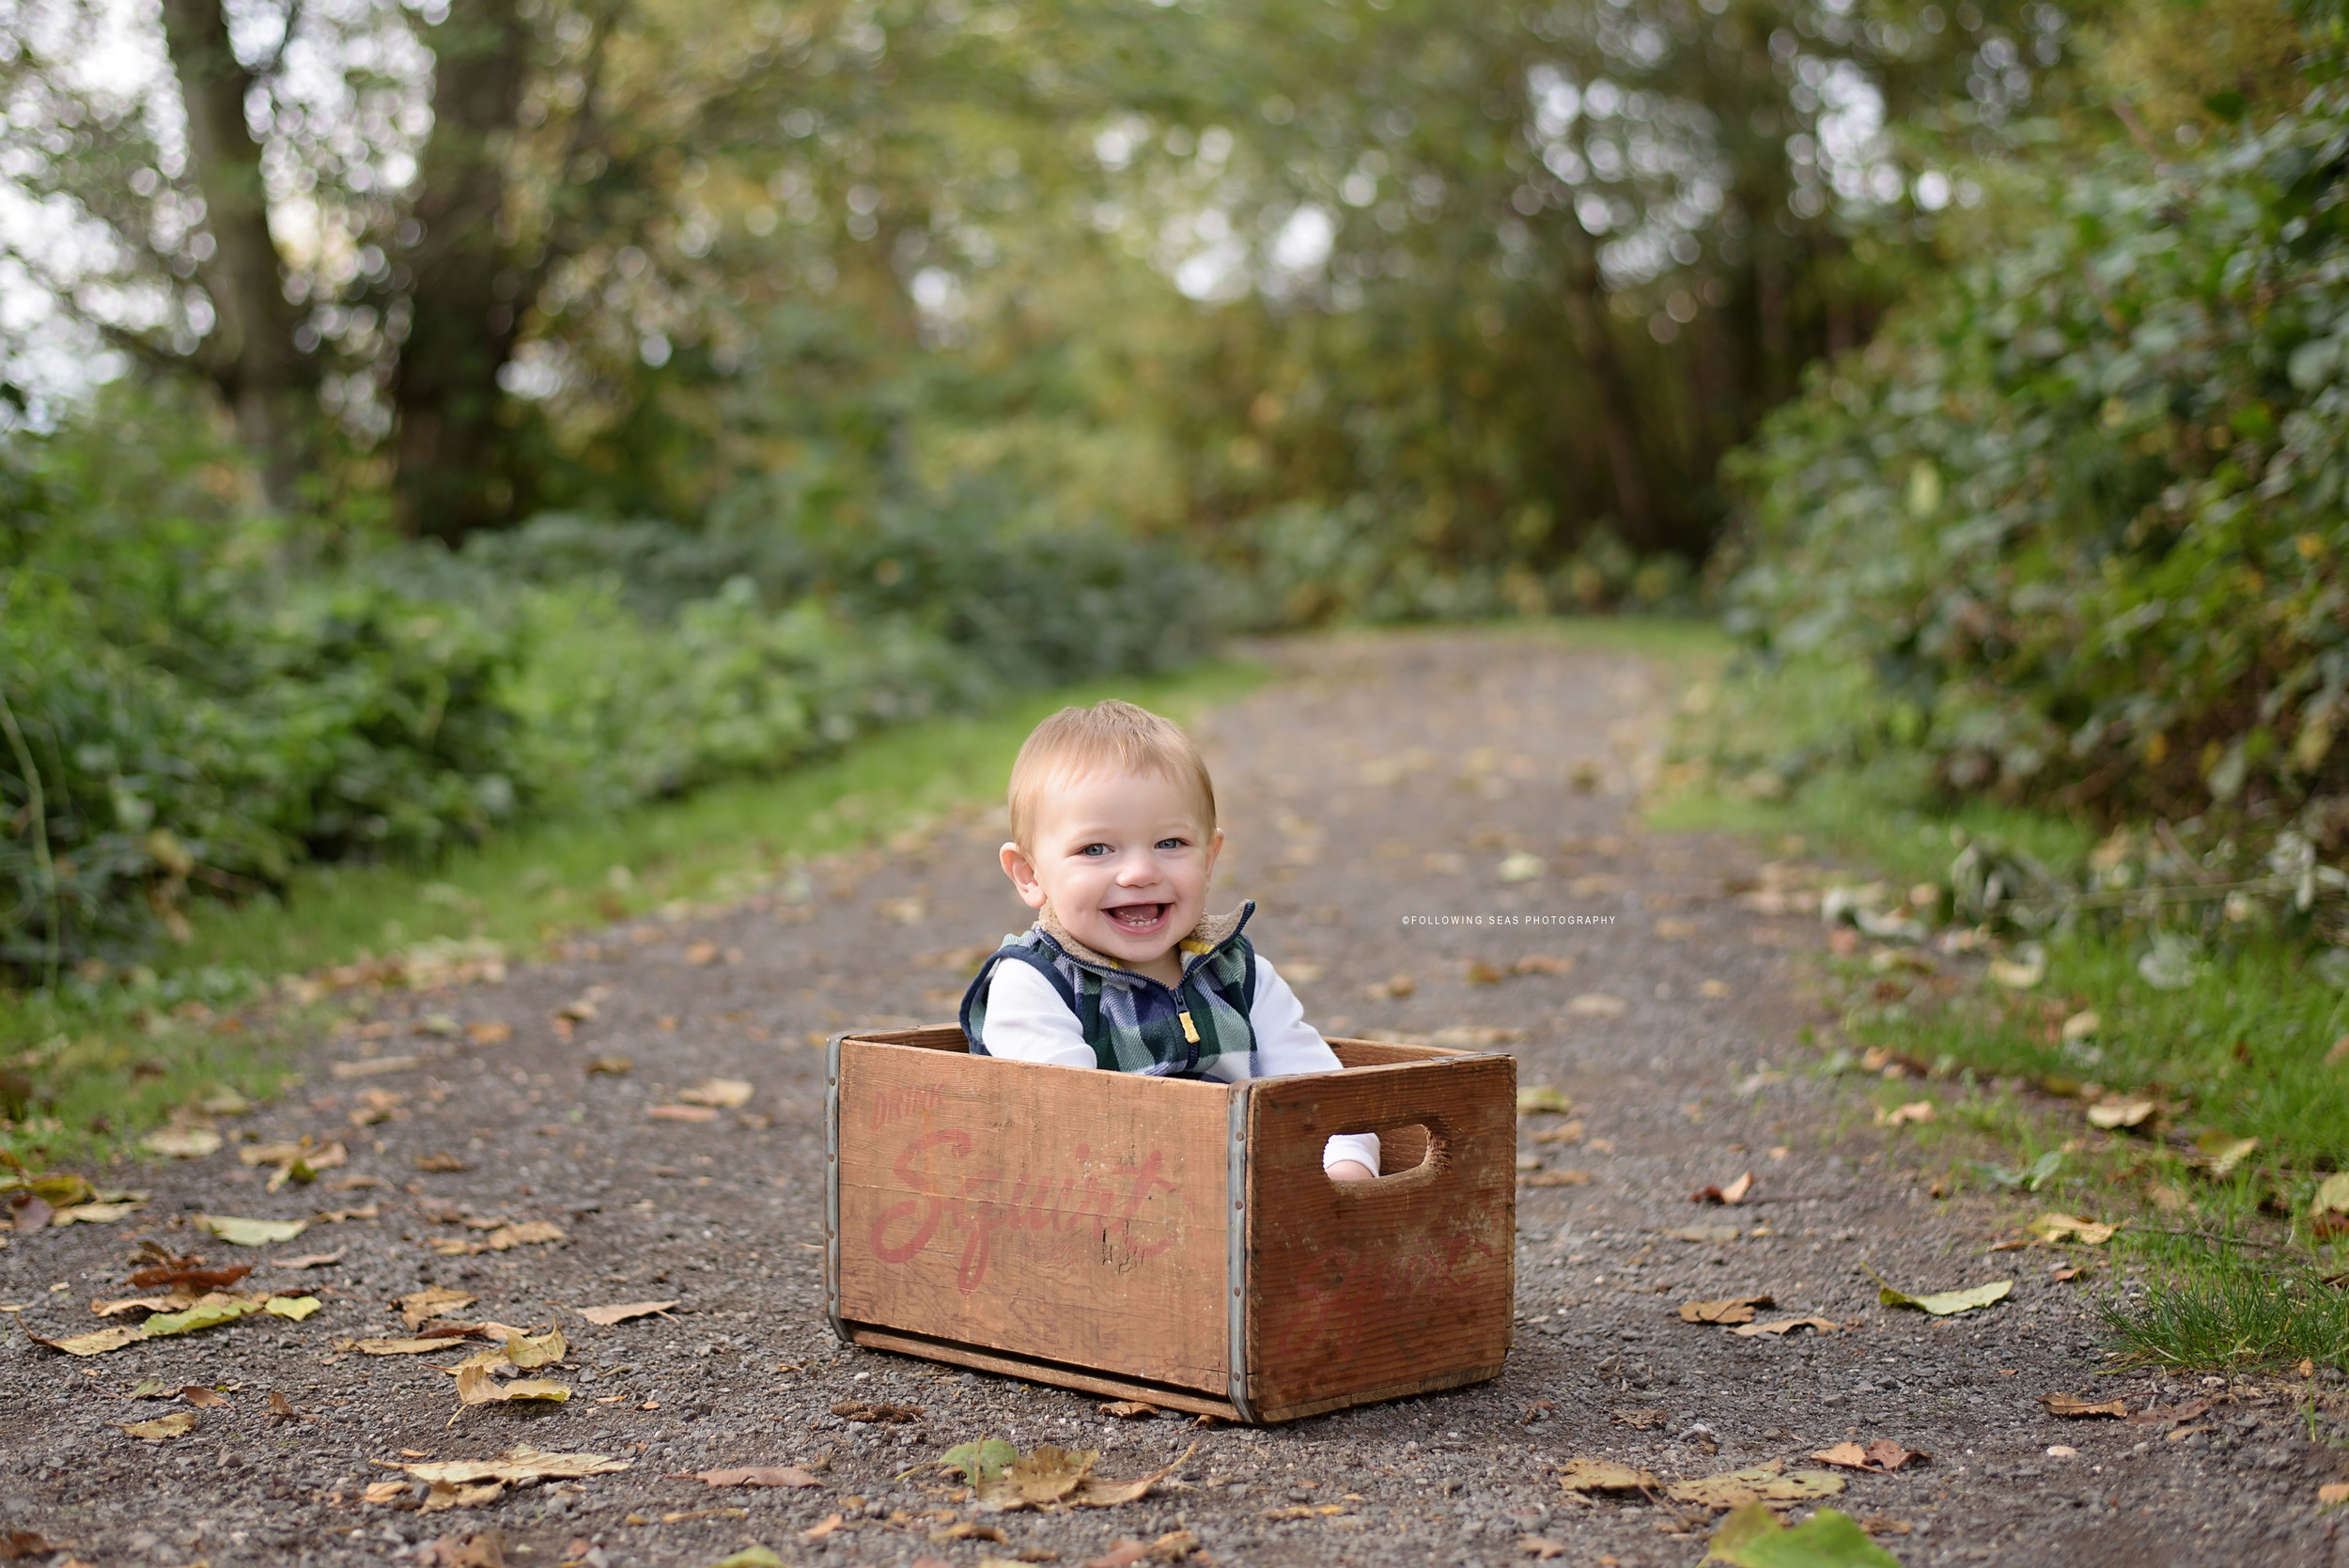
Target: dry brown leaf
{"x":441,"y":1160}
{"x":1639,"y":1420}
{"x":767,"y":1475}
{"x":969,"y":1530}
{"x":163,"y":1428}
{"x":527,"y":1353}
{"x":615,"y":1067}
{"x":1735,"y":1309}
{"x":380,"y":1492}
{"x":1765,"y":1483}
{"x":1097,"y":1493}
{"x":1733,"y":1194}
{"x":1881,"y":1457}
{"x":395,"y":1348}
{"x":699,"y":953}
{"x":475,"y":1384}
{"x":1306,"y":1510}
{"x":1541,"y":1547}
{"x":2332,"y":1492}
{"x":857,"y":1411}
{"x":832,"y":1522}
{"x":1786,"y":1326}
{"x":484,"y":1550}
{"x":1554,"y":1178}
{"x":518,"y":1464}
{"x":1604,"y":1475}
{"x":2072,"y":1407}
{"x":281,"y":1410}
{"x":1569,"y":1132}
{"x":1916,"y":1111}
{"x":310,"y":1260}
{"x":142,"y":1304}
{"x":535,"y":1232}
{"x":202,"y":1397}
{"x":680,"y":1113}
{"x":445,"y":1495}
{"x":1130,"y":1409}
{"x":489,"y":1032}
{"x":725,"y":1094}
{"x":1124,"y":1553}
{"x":622,"y":1311}
{"x":418,"y":1308}
{"x":93,"y":1344}
{"x":369,"y":1066}
{"x":2121,"y":1112}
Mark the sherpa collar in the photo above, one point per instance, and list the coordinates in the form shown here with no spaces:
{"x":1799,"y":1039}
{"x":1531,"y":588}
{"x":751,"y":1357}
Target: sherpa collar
{"x":1212,"y":931}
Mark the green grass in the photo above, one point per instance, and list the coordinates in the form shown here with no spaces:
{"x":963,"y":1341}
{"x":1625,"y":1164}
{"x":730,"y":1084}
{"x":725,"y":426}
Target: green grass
{"x":106,"y":1059}
{"x":2239,"y":1052}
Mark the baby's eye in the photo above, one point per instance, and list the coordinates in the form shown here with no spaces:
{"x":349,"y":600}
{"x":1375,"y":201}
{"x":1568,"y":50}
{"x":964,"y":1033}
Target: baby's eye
{"x":1174,"y":843}
{"x":1095,"y":850}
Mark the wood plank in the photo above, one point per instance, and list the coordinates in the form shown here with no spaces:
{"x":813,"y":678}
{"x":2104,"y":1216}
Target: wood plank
{"x":1386,"y":1053}
{"x":1072,"y":1216}
{"x":1358,"y":1288}
{"x":1060,"y":1375}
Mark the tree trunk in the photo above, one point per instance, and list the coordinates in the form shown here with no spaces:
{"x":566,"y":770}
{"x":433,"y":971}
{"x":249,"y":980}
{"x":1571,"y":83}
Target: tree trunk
{"x":251,"y":357}
{"x":449,"y":480}
{"x":1586,"y":312}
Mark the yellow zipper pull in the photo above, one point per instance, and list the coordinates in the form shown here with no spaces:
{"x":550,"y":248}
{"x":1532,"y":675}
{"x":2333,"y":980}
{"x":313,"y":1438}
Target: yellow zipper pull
{"x":1191,"y":1030}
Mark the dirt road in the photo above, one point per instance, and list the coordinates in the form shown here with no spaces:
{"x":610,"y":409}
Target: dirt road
{"x":1379,"y":779}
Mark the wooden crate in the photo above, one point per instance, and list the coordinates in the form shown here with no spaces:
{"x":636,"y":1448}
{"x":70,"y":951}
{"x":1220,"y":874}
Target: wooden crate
{"x":1173,"y":1241}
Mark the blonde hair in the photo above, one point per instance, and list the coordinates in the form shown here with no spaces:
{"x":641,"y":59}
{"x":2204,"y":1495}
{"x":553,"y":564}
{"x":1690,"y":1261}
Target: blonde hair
{"x":1110,"y":737}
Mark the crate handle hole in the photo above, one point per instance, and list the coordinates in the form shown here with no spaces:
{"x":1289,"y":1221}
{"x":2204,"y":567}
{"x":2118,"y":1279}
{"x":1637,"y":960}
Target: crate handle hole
{"x":1404,"y":1150}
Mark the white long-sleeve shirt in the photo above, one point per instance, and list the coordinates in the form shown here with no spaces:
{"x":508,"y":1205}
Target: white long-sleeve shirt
{"x":1027,"y":1022}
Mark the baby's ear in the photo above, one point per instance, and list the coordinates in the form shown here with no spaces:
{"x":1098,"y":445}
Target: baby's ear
{"x":1021,"y":870}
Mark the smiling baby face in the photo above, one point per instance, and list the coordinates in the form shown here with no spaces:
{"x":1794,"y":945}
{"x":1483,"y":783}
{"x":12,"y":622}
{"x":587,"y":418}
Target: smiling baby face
{"x":1123,"y":859}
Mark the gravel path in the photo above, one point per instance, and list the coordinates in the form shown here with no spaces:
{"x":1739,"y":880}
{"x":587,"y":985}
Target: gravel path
{"x":1379,"y":779}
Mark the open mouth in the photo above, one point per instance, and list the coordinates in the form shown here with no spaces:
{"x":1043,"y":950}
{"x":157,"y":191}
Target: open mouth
{"x":1138,"y":918}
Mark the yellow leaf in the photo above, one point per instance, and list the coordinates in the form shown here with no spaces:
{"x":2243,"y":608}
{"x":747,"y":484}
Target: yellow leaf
{"x":163,"y":1428}
{"x":1604,"y":1475}
{"x":294,"y":1307}
{"x":528,"y":1353}
{"x":250,"y":1233}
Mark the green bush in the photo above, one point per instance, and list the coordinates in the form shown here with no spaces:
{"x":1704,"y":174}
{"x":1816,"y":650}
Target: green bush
{"x":207,"y":702}
{"x":2080,"y":513}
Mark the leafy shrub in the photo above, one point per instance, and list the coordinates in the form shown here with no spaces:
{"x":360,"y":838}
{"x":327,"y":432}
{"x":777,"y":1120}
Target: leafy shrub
{"x":2081,"y":513}
{"x":204,"y":711}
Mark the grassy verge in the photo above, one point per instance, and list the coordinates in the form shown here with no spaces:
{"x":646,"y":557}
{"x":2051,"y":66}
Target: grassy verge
{"x":2234,"y":1051}
{"x":111,"y":1054}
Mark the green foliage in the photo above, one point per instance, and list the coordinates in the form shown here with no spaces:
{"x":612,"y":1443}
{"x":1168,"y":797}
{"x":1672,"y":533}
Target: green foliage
{"x":205,"y":713}
{"x":2220,"y":1309}
{"x":2079,"y":513}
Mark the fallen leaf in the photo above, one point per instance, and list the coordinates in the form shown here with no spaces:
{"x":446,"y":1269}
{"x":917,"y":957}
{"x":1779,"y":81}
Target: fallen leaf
{"x":2059,"y":1227}
{"x":184,"y":1142}
{"x":1554,"y":1178}
{"x":982,"y":1463}
{"x":1571,"y":1132}
{"x":1130,"y":1409}
{"x":726,"y":1094}
{"x":621,"y":1313}
{"x":476,"y":1386}
{"x":445,"y":1496}
{"x":310,"y":1260}
{"x":380,"y":1492}
{"x":536,"y":1233}
{"x":93,"y":1344}
{"x":969,"y":1530}
{"x":1944,"y":1303}
{"x":250,"y":1233}
{"x":395,"y":1348}
{"x":486,"y":1549}
{"x":1045,"y":1475}
{"x":2332,"y":1494}
{"x":2123,"y":1112}
{"x":518,"y":1464}
{"x":856,"y":1411}
{"x":543,"y":1351}
{"x":680,"y":1113}
{"x":1306,"y":1510}
{"x":293,"y":1307}
{"x":94,"y":1214}
{"x":1708,"y":1234}
{"x":830,"y":1523}
{"x":25,"y":1543}
{"x":202,"y":1397}
{"x":420,"y":1307}
{"x":337,"y":1217}
{"x":751,"y":1557}
{"x":2022,"y":972}
{"x":441,"y":1161}
{"x":1735,"y":1309}
{"x":1640,"y":1420}
{"x":699,"y":953}
{"x":371,"y":1065}
{"x":139,"y":1304}
{"x":1769,"y":1483}
{"x":1597,"y":1005}
{"x":1733,"y":1194}
{"x":1753,"y":1537}
{"x":770,"y":1475}
{"x":1881,"y":1457}
{"x":1787,"y":1326}
{"x":281,"y":1410}
{"x":163,"y":1428}
{"x":2332,"y":1195}
{"x":1095,"y":1492}
{"x":615,"y":1067}
{"x":2072,"y":1407}
{"x":489,"y":1032}
{"x":1541,"y":1546}
{"x":1540,"y":1099}
{"x":212,"y":1312}
{"x":1604,"y":1475}
{"x":1916,"y":1111}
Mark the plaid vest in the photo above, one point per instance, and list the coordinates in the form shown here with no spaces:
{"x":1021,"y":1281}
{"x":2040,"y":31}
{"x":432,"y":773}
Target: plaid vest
{"x":1136,"y":1024}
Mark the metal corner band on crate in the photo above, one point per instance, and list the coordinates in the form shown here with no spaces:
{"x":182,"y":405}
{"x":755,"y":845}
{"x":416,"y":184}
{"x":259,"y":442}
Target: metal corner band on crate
{"x":1236,"y":1272}
{"x":831,"y":1189}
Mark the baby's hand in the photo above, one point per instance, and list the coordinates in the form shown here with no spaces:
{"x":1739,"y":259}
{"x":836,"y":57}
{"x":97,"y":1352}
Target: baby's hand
{"x":1352,"y":1171}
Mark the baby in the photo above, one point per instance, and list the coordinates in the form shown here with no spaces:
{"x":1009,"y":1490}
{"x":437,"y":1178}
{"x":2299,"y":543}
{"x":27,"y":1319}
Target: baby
{"x":1113,"y":840}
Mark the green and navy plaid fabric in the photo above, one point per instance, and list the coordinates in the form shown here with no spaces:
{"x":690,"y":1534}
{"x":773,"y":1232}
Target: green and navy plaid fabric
{"x":1136,"y":1024}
